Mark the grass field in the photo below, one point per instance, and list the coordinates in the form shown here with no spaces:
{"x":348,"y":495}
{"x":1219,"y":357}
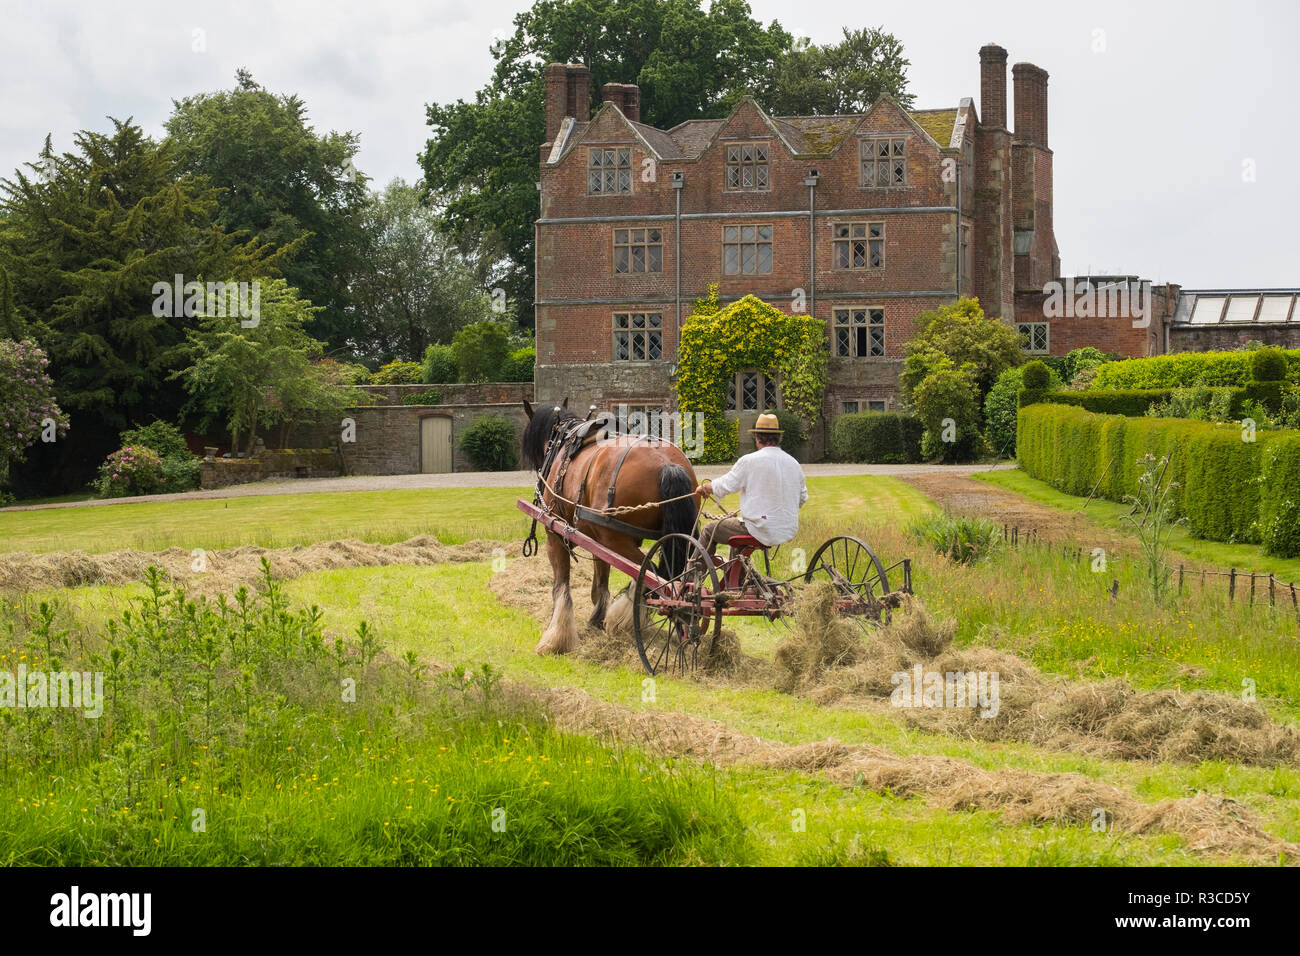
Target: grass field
{"x":1111,"y":514}
{"x":453,"y":515}
{"x":1049,"y":610}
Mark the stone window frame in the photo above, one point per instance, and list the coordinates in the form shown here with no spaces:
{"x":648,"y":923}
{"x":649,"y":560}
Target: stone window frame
{"x":646,"y":406}
{"x":765,"y":388}
{"x":733,"y":235}
{"x":845,"y":317}
{"x":761,"y":169}
{"x":846,"y":235}
{"x":625,"y":241}
{"x":630,"y":332}
{"x":894,"y":160}
{"x":622,"y":164}
{"x":1031,"y":329}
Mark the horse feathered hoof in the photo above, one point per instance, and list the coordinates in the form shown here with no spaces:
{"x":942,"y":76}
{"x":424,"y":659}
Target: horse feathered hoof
{"x":558,"y":640}
{"x":618,"y":617}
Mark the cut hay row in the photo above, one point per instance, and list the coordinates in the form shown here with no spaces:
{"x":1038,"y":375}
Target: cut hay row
{"x":827,"y":659}
{"x":222,"y":570}
{"x":1209,"y":824}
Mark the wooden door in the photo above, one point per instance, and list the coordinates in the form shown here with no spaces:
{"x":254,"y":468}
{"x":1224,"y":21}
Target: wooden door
{"x":435,"y":444}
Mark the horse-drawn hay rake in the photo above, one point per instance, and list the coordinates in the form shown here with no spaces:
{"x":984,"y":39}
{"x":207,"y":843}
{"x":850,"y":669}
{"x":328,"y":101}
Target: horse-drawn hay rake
{"x":676,"y":619}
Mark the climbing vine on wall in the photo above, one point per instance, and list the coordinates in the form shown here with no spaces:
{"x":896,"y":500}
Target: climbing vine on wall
{"x":718,"y":342}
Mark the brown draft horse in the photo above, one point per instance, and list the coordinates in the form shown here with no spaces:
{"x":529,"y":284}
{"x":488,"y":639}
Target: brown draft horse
{"x":652,"y":471}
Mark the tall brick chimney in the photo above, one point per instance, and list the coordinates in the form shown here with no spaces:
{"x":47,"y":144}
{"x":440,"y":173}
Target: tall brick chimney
{"x":568,"y":93}
{"x":1031,"y":103}
{"x":626,"y":96}
{"x":1037,"y":260}
{"x":993,"y":86}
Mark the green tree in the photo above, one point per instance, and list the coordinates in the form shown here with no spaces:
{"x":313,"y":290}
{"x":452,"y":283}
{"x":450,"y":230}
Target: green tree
{"x":962,"y":333}
{"x":413,"y":287}
{"x":282,"y":182}
{"x":948,"y":406}
{"x":439,"y":366}
{"x":689,"y":62}
{"x":86,"y":236}
{"x":263,"y":374}
{"x":481,"y":351}
{"x":837,"y":78}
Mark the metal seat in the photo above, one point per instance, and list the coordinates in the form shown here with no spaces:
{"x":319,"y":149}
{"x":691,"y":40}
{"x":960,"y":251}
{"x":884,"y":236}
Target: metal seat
{"x":746,"y":543}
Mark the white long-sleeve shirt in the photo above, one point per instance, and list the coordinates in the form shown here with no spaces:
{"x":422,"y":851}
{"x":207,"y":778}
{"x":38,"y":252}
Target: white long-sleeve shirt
{"x":772,"y":490}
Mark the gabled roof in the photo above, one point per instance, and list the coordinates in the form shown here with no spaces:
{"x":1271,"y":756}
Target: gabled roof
{"x":802,"y":135}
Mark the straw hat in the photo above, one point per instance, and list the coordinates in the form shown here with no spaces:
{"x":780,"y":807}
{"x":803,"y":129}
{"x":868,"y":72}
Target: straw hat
{"x":767,"y":424}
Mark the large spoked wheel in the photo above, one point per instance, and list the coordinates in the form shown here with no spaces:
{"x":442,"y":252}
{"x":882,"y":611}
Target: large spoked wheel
{"x":673,"y":619}
{"x":858,"y":576}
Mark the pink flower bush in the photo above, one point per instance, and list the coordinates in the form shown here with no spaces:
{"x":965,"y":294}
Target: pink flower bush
{"x":28,"y":411}
{"x":133,"y":470}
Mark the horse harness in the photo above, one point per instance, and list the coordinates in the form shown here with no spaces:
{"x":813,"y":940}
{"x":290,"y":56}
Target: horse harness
{"x":567,"y":441}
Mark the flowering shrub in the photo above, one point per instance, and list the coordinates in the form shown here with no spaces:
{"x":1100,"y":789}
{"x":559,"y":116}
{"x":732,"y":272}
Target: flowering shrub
{"x":719,"y":342}
{"x":27,"y":406}
{"x":133,"y":470}
{"x":181,"y":470}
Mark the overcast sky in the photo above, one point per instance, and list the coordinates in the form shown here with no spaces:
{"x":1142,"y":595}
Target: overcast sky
{"x":1159,"y":113}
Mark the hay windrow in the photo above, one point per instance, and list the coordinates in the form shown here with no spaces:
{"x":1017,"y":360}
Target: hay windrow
{"x":1208,"y":823}
{"x":225,"y":569}
{"x":832,"y":662}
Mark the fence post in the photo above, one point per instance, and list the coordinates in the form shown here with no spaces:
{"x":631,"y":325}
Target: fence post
{"x":1180,"y":580}
{"x":1252,"y":588}
{"x":1271,"y":602}
{"x":1232,"y":584}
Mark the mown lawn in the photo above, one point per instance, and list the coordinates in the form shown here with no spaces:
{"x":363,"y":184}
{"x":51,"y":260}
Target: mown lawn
{"x":453,"y":515}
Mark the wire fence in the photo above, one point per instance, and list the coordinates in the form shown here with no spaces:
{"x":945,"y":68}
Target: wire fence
{"x":1252,"y":588}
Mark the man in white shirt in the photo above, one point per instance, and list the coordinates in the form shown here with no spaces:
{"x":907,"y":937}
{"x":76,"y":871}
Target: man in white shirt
{"x":772,"y":490}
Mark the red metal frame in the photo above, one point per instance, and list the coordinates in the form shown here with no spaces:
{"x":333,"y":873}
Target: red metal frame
{"x":731,"y":571}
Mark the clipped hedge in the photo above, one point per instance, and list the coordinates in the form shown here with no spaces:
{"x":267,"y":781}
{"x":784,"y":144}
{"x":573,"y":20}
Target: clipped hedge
{"x":1279,"y":496}
{"x":1225,"y":490}
{"x":877,"y":438}
{"x":1132,"y":402}
{"x":1185,"y":369}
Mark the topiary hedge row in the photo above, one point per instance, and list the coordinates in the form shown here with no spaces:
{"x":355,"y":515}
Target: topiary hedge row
{"x":1228,"y":489}
{"x":1185,"y":369}
{"x":877,"y":438}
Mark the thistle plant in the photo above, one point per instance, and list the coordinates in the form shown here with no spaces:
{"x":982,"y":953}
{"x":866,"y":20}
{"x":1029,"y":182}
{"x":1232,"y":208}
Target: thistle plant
{"x":1153,"y":518}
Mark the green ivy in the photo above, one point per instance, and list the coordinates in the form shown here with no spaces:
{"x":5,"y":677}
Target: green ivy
{"x":718,"y":342}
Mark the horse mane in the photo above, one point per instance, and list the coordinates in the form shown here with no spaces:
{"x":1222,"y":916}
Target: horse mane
{"x":540,"y":428}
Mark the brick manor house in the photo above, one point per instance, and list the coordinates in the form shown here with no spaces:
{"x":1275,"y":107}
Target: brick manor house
{"x":864,"y":221}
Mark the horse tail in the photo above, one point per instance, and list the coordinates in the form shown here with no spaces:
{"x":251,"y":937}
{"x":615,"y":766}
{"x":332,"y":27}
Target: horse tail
{"x":676,"y":517}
